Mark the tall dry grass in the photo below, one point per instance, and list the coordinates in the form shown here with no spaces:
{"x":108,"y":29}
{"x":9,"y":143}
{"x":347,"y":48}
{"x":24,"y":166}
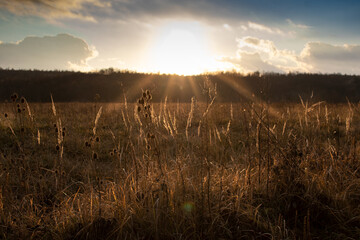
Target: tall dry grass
{"x":144,"y":170}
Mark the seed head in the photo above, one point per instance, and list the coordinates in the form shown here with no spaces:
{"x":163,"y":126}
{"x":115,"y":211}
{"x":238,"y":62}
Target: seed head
{"x":14,"y":96}
{"x":22,"y":100}
{"x":144,"y":94}
{"x":22,"y":129}
{"x":5,"y":115}
{"x":139,"y":109}
{"x":57,"y":147}
{"x":97,"y":139}
{"x":95,"y":156}
{"x":19,"y":110}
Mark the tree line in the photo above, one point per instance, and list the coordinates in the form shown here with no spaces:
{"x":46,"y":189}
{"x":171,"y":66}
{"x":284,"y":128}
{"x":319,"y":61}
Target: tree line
{"x":112,"y":86}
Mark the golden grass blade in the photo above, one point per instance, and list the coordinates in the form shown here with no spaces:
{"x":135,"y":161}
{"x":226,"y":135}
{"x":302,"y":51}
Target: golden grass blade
{"x":38,"y":137}
{"x":98,"y":115}
{"x":53,"y":105}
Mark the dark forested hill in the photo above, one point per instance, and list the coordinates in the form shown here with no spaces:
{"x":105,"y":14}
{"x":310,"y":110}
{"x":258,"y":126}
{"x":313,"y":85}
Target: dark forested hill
{"x":37,"y":86}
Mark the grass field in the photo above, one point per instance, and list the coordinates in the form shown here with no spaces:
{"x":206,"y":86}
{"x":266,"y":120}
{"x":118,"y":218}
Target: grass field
{"x":146,"y":170}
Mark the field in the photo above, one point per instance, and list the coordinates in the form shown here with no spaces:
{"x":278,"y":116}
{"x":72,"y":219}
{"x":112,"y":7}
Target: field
{"x":199,"y":170}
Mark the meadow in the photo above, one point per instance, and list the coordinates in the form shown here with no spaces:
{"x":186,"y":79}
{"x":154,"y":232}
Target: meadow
{"x":169,"y":170}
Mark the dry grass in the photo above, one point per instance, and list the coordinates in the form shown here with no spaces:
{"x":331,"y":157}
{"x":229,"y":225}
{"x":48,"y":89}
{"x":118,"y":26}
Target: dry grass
{"x":179,"y":171}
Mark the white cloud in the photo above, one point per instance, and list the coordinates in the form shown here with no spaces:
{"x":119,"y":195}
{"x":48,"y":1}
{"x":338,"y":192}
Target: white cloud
{"x":280,"y":60}
{"x":62,"y":51}
{"x":326,"y":57}
{"x":302,"y":26}
{"x":262,"y":28}
{"x":263,"y":55}
{"x":227,"y":27}
{"x":250,"y":62}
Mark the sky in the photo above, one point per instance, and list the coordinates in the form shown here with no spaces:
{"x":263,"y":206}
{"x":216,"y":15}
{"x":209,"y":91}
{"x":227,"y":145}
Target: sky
{"x":183,"y":37}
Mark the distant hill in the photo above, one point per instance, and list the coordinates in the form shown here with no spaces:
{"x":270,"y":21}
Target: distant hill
{"x":36,"y":86}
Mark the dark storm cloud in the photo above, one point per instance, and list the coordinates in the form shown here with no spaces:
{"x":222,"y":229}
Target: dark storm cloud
{"x":62,"y":51}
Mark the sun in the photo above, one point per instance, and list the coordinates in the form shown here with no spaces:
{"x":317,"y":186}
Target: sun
{"x":182,"y":49}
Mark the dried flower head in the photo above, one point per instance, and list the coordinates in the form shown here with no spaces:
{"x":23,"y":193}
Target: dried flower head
{"x":14,"y":96}
{"x":97,"y":139}
{"x":5,"y":115}
{"x":22,"y":100}
{"x":57,"y":147}
{"x":95,"y":156}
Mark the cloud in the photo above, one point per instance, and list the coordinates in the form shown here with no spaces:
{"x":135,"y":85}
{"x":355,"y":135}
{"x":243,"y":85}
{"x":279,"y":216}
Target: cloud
{"x":227,"y":27}
{"x":263,"y":28}
{"x":265,"y":55}
{"x":143,"y":11}
{"x":62,"y":51}
{"x":254,"y":54}
{"x":324,"y":57}
{"x":302,"y":26}
{"x":50,"y":9}
{"x":250,"y":62}
{"x":257,"y":27}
